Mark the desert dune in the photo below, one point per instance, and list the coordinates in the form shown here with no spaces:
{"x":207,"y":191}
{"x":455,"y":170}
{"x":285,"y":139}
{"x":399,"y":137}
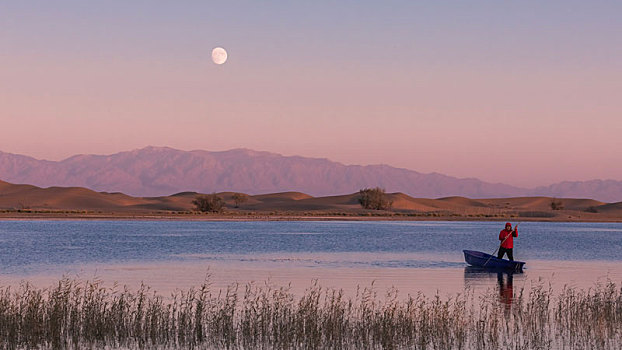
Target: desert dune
{"x":22,"y":199}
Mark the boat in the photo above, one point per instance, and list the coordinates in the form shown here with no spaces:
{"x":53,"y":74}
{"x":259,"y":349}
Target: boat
{"x":480,"y":259}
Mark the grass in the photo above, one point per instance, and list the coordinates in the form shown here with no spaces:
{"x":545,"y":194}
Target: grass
{"x":75,"y":314}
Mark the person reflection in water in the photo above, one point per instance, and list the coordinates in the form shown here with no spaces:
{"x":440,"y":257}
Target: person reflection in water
{"x":506,"y":291}
{"x":507,"y":242}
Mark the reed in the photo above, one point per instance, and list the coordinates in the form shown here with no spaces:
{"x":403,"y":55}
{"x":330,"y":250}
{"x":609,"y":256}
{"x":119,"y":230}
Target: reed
{"x":85,"y":314}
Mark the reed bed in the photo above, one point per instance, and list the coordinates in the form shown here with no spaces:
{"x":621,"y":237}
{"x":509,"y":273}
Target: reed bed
{"x":79,"y":314}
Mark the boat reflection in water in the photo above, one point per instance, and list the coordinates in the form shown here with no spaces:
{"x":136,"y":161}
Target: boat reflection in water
{"x":484,"y":277}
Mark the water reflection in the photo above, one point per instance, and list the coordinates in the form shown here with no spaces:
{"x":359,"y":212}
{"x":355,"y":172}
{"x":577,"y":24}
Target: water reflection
{"x":506,"y":291}
{"x":477,"y":277}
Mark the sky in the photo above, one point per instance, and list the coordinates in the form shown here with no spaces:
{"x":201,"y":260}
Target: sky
{"x":521,"y":92}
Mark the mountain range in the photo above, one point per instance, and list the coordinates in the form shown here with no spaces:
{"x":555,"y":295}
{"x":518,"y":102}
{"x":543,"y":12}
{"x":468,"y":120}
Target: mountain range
{"x":160,"y":171}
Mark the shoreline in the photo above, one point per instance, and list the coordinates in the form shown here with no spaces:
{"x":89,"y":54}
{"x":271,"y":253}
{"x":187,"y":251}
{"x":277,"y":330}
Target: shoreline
{"x":112,"y":216}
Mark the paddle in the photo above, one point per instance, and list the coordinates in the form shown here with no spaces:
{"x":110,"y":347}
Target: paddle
{"x":506,"y":237}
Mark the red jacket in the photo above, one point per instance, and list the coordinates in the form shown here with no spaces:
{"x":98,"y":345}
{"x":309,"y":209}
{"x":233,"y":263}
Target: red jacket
{"x":509,"y":242}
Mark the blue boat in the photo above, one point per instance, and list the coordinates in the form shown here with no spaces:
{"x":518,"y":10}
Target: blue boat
{"x":480,"y":259}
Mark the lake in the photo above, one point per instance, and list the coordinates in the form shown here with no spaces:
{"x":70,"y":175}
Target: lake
{"x":415,"y":257}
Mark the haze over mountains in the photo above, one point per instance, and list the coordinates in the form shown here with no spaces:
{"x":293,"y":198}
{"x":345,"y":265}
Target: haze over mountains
{"x":159,"y":171}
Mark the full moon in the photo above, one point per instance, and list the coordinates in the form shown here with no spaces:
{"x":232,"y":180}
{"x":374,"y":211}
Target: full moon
{"x":219,"y":55}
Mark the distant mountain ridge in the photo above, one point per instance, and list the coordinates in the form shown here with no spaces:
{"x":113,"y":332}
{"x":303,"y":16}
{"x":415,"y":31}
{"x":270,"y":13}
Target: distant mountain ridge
{"x":603,"y":190}
{"x":159,"y":171}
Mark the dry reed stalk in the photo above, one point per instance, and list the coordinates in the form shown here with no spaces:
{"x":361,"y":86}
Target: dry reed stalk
{"x":76,"y":314}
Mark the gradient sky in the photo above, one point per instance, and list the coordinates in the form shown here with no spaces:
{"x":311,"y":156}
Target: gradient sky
{"x":521,"y":92}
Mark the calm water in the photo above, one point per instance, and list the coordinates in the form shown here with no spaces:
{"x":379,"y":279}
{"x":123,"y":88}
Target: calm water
{"x":413,"y":255}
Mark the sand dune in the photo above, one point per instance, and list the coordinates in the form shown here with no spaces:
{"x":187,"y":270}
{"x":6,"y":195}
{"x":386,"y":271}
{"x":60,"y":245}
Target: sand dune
{"x":21,"y":198}
{"x":302,"y":202}
{"x":463,"y":201}
{"x":282,"y":196}
{"x":540,"y":203}
{"x":611,"y":209}
{"x":402,"y":201}
{"x":65,"y":198}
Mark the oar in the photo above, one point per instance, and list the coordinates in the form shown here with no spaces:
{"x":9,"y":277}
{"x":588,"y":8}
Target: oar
{"x":506,"y":237}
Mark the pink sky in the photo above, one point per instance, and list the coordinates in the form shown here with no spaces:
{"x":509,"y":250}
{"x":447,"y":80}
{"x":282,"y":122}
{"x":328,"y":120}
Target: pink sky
{"x":529,"y":106}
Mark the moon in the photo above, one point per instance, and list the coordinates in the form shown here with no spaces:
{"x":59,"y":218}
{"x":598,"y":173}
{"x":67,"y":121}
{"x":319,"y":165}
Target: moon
{"x":219,"y":55}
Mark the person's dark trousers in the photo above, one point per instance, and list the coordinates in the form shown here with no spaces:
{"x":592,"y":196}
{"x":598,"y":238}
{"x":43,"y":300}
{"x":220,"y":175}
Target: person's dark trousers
{"x":507,"y":251}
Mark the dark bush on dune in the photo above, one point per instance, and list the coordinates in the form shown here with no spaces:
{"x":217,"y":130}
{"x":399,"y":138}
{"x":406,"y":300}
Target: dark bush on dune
{"x":209,"y":203}
{"x":374,"y":198}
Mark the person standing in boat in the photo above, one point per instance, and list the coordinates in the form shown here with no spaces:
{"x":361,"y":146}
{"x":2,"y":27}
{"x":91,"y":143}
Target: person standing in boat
{"x":506,"y":236}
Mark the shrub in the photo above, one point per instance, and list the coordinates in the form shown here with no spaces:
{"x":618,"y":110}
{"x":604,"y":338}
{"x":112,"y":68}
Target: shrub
{"x":557,"y":204}
{"x":374,"y":198}
{"x":239,"y":198}
{"x":591,"y":209}
{"x":209,"y":203}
